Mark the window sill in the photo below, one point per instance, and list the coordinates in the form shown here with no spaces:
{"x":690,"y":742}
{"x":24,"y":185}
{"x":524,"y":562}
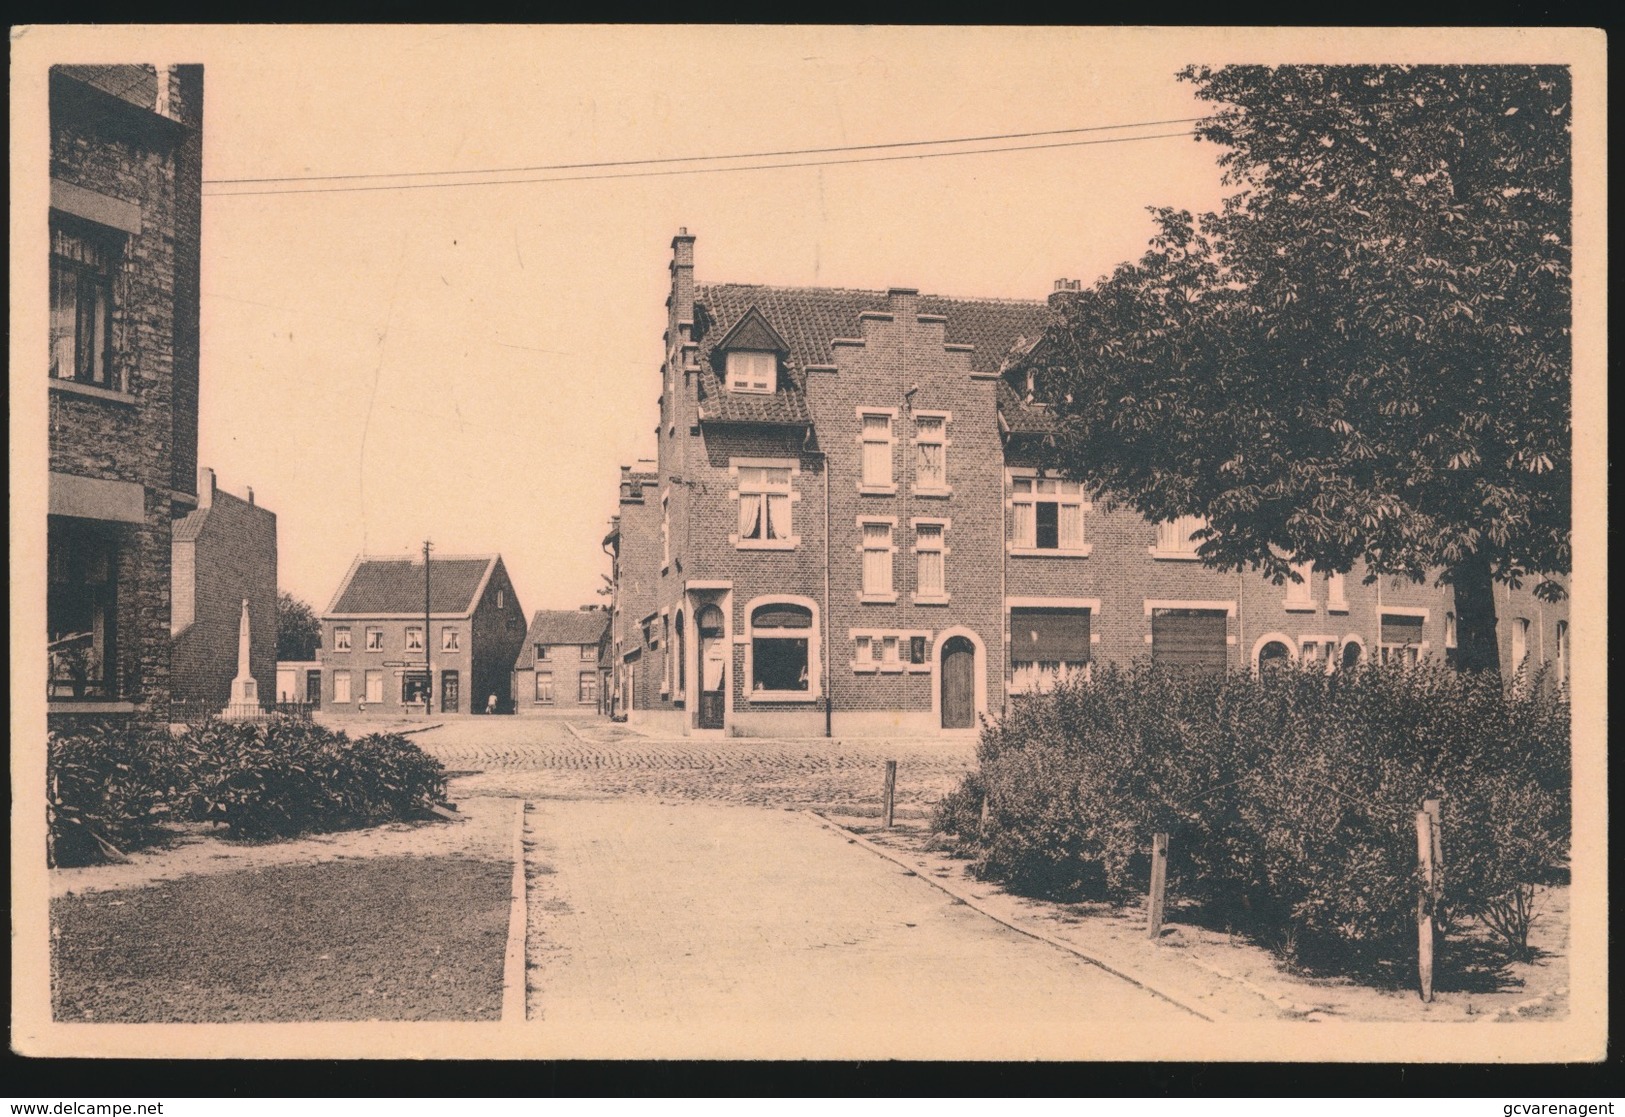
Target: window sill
{"x":789,"y":544}
{"x":939,"y":600}
{"x":877,"y":598}
{"x":877,"y":490}
{"x":88,"y":706}
{"x":1340,"y":607}
{"x":1173,"y":556}
{"x":864,"y":668}
{"x":783,"y":696}
{"x":1052,"y":552}
{"x":933,"y":492}
{"x":73,"y":387}
{"x":892,"y":668}
{"x":1296,"y":608}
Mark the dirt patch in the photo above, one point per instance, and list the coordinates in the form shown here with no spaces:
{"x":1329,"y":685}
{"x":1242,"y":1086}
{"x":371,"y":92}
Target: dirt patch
{"x":390,"y":938}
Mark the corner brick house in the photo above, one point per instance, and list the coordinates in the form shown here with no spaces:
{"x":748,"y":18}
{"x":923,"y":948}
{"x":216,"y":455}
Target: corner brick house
{"x":558,"y":666}
{"x":223,"y":553}
{"x":125,"y":218}
{"x":844,"y":532}
{"x":373,"y":638}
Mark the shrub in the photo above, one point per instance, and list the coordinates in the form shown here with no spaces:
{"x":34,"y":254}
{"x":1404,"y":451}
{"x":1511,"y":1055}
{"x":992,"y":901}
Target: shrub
{"x":278,"y":778}
{"x":1290,"y":798}
{"x":109,"y":786}
{"x":289,"y":776}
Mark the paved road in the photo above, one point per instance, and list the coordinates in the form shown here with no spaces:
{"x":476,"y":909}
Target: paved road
{"x":698,"y":920}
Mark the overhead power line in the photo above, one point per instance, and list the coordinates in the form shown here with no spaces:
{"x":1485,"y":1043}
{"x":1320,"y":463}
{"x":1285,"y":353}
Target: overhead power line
{"x":694,"y":170}
{"x":704,"y":158}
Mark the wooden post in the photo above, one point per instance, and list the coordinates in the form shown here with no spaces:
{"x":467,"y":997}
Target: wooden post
{"x":1159,"y":884}
{"x":985,"y":813}
{"x":1424,"y":905}
{"x":889,"y":795}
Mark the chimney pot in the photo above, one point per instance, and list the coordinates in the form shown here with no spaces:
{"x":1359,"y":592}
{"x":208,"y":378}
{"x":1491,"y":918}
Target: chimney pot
{"x":250,"y":494}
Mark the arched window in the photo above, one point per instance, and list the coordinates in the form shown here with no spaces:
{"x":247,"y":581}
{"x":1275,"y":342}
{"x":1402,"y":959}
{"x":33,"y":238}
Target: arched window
{"x":783,"y":641}
{"x":1353,"y":652}
{"x":1273,"y":656}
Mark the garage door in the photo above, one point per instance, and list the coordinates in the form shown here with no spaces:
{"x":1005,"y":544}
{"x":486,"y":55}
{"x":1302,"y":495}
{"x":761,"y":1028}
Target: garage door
{"x":1190,"y":638}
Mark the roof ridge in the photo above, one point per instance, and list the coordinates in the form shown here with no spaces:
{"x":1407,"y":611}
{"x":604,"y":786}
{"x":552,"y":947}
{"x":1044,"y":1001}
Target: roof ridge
{"x":875,"y":291}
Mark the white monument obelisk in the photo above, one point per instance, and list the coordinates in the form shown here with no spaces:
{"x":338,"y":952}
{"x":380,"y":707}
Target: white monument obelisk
{"x":245,"y":697}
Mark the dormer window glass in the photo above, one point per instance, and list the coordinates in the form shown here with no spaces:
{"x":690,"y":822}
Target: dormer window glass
{"x":750,"y":371}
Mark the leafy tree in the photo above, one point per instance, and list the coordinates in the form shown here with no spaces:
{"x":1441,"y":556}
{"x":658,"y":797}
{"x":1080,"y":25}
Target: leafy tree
{"x":1366,"y":354}
{"x":298,"y":632}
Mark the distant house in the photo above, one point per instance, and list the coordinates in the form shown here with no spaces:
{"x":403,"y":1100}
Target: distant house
{"x":299,"y":682}
{"x":373,"y":638}
{"x":563,"y":662}
{"x":222,"y":554}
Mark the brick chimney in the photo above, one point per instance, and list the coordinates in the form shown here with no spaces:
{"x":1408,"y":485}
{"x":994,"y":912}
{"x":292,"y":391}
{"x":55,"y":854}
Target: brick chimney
{"x":205,"y":487}
{"x":903,"y":302}
{"x":680,"y":304}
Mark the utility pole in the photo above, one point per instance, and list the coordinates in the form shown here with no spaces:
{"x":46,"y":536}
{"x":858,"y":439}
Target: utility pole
{"x":428,"y":671}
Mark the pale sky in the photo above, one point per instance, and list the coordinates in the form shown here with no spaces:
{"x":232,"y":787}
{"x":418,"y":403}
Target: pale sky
{"x":472,"y":364}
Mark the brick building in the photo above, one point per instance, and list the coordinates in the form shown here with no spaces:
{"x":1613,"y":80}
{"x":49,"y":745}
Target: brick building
{"x":845,"y":532}
{"x":125,"y":219}
{"x":223,"y":553}
{"x":559,"y":666}
{"x":373,"y":638}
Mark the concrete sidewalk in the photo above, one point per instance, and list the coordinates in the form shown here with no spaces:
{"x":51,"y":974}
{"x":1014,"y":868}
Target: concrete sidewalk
{"x":713,"y":930}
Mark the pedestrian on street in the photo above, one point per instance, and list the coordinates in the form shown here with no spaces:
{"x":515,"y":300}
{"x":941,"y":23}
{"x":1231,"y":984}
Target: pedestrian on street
{"x":491,"y":704}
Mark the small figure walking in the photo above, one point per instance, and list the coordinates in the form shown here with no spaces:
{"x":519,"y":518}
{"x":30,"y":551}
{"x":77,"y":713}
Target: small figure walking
{"x":491,"y":704}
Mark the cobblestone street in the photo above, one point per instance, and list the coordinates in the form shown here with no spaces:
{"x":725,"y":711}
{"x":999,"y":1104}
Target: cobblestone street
{"x":552,"y":757}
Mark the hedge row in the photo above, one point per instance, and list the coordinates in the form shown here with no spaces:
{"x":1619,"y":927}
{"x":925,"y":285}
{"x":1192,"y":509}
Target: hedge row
{"x":118,"y":786}
{"x":1290,"y":799}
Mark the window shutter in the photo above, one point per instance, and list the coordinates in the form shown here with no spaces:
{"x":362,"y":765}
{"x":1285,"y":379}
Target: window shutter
{"x":1399,"y":629}
{"x":1189,"y":638}
{"x":1049,"y":635}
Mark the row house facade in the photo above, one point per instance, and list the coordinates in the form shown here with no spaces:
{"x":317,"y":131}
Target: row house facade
{"x":377,"y":657}
{"x":562,"y":663}
{"x":845,"y":531}
{"x":125,"y":209}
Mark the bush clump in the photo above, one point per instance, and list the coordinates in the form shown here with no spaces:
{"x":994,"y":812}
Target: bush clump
{"x":1290,"y":799}
{"x":119,"y":787}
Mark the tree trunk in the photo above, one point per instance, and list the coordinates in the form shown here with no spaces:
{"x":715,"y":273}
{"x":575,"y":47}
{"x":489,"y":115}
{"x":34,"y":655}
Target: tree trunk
{"x":1476,"y":646}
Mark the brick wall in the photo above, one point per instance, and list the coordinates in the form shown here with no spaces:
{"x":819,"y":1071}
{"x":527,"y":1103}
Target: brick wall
{"x":234,"y":556}
{"x":498,"y":633}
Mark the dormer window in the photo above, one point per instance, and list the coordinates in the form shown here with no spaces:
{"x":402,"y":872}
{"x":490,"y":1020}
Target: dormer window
{"x":750,"y":371}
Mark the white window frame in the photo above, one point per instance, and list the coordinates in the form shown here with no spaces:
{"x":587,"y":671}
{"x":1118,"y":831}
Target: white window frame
{"x":1174,"y":540}
{"x":451,"y":640}
{"x":341,"y":638}
{"x":743,"y":371}
{"x":543,"y":653}
{"x":866,"y":595}
{"x":371,"y":675}
{"x":587,"y":679}
{"x":665,"y":530}
{"x":407,"y":631}
{"x":552,"y":698}
{"x":1386,"y":650}
{"x":1336,"y":593}
{"x":1329,"y":651}
{"x":589,"y":653}
{"x":815,"y":681}
{"x":373,"y":630}
{"x":1521,"y":627}
{"x":1300,"y":596}
{"x":865,"y":440}
{"x":945,"y":488}
{"x":1080,"y":499}
{"x":349,"y":689}
{"x":940,"y":548}
{"x":875,"y":641}
{"x":787,"y":543}
{"x":1564,"y":639}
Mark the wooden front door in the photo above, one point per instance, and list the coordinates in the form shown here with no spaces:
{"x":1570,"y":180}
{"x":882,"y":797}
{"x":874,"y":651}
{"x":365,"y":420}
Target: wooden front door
{"x":449,"y":692}
{"x":958,"y":683}
{"x":313,"y":688}
{"x":713,"y":669}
